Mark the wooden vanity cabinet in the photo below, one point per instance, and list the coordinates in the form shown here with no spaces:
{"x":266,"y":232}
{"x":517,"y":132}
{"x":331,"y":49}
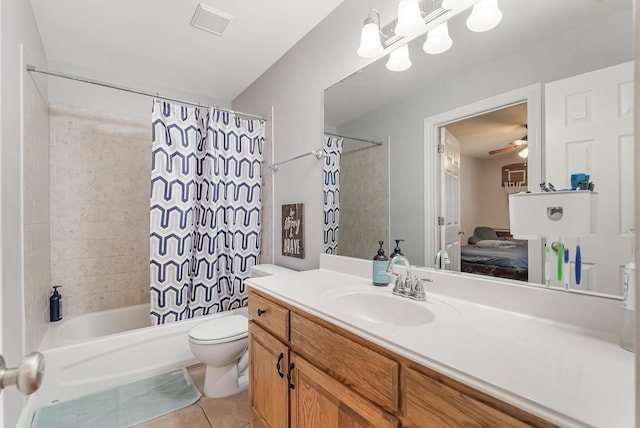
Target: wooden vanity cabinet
{"x":307,"y":373}
{"x":318,"y":400}
{"x":268,"y":386}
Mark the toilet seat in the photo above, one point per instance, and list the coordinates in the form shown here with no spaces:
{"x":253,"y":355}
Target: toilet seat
{"x":220,"y":330}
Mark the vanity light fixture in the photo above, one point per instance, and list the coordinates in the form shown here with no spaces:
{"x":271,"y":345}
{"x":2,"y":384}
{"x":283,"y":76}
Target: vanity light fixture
{"x":438,"y":40}
{"x":399,"y":59}
{"x":484,"y":16}
{"x":410,"y":19}
{"x":370,"y":45}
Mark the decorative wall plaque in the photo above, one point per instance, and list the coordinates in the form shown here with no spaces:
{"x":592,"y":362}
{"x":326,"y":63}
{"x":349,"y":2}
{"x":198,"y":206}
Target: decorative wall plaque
{"x":293,"y":230}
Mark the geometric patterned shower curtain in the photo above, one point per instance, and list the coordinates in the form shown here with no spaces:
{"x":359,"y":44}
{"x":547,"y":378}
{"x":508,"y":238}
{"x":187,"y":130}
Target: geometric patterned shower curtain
{"x":205,"y":210}
{"x":331,"y":170}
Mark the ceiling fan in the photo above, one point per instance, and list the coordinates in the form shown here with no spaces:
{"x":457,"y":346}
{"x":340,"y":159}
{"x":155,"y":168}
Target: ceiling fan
{"x":520,"y":144}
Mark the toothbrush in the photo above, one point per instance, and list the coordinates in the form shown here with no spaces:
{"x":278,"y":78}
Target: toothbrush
{"x":547,"y":266}
{"x":560,"y":256}
{"x":578,"y":262}
{"x":566,"y":269}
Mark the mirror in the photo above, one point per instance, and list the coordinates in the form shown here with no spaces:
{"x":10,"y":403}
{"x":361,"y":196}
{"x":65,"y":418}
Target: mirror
{"x":537,"y":45}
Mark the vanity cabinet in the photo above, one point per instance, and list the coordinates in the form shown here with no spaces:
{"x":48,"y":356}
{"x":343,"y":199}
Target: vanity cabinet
{"x":268,"y":387}
{"x":319,"y":400}
{"x":306,"y":373}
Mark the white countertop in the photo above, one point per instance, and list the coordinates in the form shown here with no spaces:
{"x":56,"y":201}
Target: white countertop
{"x":550,"y":369}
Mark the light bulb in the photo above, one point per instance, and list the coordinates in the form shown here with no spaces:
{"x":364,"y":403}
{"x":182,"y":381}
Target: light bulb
{"x":399,"y":59}
{"x":524,"y":153}
{"x":409,"y":18}
{"x":370,"y":44}
{"x":484,"y":16}
{"x":438,"y":40}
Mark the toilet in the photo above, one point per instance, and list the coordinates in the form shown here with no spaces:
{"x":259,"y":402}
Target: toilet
{"x":221,"y":344}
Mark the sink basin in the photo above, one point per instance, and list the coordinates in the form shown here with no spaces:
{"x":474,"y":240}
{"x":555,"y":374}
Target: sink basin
{"x":382,"y":308}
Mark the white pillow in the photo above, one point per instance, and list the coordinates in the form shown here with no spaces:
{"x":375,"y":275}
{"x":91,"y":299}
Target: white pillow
{"x":492,"y":243}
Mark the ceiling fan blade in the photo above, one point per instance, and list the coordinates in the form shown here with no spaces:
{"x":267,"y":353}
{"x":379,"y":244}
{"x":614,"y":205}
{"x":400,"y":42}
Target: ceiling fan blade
{"x":504,"y":149}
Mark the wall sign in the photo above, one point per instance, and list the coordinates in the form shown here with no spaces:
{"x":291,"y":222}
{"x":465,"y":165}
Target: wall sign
{"x":293,"y":230}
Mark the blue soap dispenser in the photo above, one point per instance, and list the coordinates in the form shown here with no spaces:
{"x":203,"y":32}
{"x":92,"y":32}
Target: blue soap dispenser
{"x":380,"y":263}
{"x":55,"y":305}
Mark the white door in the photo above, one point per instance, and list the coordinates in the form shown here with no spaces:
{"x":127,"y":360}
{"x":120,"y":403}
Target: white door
{"x":450,"y":197}
{"x":589,"y":128}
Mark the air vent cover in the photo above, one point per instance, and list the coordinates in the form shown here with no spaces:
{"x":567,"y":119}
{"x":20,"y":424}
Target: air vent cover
{"x":209,"y":19}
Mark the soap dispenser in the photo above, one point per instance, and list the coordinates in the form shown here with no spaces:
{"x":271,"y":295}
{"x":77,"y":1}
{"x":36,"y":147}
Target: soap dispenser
{"x":397,"y":251}
{"x":55,"y":305}
{"x":380,"y":264}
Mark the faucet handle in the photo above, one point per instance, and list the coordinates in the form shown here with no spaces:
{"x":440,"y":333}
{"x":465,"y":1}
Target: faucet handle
{"x":400,"y":288}
{"x":417,"y":293}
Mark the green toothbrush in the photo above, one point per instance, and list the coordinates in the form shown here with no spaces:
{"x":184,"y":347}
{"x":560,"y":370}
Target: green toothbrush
{"x":560,"y":256}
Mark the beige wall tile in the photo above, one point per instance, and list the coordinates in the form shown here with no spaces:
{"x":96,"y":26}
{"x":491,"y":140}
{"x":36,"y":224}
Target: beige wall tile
{"x":37,"y":274}
{"x":101,"y":170}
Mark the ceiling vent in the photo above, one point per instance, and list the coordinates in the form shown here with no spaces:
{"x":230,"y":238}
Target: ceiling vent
{"x":209,"y":19}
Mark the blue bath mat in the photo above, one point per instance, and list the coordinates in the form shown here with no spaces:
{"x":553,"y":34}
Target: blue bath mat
{"x":124,"y":405}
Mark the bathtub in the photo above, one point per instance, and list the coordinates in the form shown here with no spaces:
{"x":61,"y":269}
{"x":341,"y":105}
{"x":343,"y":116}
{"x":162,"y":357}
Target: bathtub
{"x":97,"y":351}
{"x":94,"y":325}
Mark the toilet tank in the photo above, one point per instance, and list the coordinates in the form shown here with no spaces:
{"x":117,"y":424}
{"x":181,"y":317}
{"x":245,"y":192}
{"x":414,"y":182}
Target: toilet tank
{"x":267,"y":270}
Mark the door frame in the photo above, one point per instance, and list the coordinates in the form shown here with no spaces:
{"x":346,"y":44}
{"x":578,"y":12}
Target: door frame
{"x":532,"y":95}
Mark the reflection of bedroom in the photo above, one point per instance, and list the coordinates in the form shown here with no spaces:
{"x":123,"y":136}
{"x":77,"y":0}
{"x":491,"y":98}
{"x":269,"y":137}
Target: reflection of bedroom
{"x":484,"y":205}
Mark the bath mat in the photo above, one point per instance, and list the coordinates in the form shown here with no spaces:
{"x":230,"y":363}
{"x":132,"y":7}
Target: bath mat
{"x":123,"y":406}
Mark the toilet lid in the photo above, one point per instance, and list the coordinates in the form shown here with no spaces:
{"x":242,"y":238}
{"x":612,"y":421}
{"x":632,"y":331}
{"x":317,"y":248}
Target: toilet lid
{"x":226,"y":327}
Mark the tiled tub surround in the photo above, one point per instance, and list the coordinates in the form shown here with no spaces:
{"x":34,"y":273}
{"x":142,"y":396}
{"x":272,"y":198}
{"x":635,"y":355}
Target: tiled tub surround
{"x":550,"y":353}
{"x":37,"y":272}
{"x":100,"y":175}
{"x":364,"y":201}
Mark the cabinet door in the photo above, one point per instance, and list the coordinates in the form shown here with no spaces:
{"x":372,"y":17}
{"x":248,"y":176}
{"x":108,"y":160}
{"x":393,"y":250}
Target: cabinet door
{"x":268,"y":386}
{"x":318,"y":400}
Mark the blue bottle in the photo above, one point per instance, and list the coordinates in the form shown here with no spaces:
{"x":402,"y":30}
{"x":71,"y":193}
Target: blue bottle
{"x":380,"y":263}
{"x":55,"y":305}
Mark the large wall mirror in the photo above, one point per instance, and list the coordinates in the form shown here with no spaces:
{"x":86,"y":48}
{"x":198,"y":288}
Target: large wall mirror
{"x":547,"y":93}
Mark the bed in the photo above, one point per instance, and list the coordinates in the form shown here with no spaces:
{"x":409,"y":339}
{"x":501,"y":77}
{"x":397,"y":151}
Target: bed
{"x":493,"y":254}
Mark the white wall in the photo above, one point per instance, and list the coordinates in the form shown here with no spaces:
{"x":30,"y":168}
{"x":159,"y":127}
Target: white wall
{"x":494,"y":206}
{"x":108,"y":100}
{"x":294,"y":87}
{"x":17,"y":27}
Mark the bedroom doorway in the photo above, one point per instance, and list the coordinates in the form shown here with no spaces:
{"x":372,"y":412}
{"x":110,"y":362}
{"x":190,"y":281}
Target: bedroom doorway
{"x":488,"y":192}
{"x":490,"y":151}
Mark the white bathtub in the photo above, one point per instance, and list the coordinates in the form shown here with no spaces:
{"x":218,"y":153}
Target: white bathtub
{"x":97,"y":351}
{"x":90,"y":326}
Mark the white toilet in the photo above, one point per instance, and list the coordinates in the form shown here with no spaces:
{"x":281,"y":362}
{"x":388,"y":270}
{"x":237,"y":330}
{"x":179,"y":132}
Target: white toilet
{"x":221,"y":344}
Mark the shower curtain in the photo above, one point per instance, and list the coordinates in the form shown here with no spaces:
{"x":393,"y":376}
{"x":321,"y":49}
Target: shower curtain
{"x":205,"y":210}
{"x":331,"y":170}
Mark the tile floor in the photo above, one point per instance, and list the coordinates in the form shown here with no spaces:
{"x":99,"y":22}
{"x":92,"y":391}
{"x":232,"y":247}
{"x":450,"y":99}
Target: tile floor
{"x":228,"y":412}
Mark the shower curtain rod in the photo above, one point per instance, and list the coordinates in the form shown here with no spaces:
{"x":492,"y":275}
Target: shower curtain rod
{"x":33,"y":69}
{"x":377,"y":143}
{"x":319,"y":154}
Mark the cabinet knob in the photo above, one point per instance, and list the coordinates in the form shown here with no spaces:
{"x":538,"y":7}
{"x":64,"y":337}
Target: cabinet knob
{"x":291,"y":367}
{"x":278,"y":365}
{"x":261,"y":312}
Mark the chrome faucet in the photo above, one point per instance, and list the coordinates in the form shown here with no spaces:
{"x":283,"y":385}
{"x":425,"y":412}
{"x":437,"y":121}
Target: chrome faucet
{"x":442,"y":258}
{"x":408,"y":286}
